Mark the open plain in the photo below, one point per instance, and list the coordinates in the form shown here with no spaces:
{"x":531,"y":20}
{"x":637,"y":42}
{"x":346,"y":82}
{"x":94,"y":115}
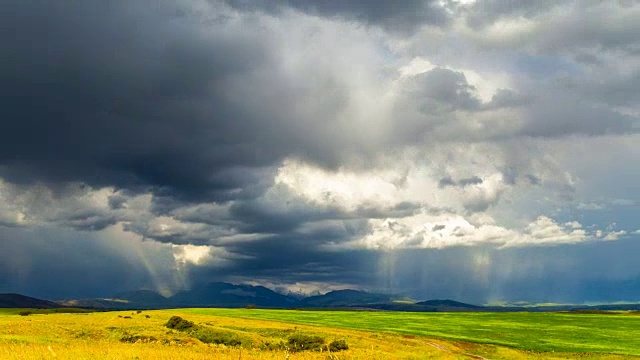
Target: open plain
{"x":266,"y":334}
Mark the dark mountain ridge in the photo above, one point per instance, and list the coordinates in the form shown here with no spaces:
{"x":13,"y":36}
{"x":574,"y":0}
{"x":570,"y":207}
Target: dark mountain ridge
{"x":446,"y":303}
{"x":220,"y":294}
{"x":347,"y":297}
{"x":22,"y":301}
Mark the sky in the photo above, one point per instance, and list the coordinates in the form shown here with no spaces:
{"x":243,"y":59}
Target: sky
{"x":481,"y":151}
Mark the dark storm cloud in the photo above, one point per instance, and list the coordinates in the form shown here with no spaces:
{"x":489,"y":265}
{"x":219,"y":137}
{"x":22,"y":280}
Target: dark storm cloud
{"x":70,"y":206}
{"x":442,"y":89}
{"x":135,"y":94}
{"x":296,"y":255}
{"x":447,"y":106}
{"x":196,"y":104}
{"x":448,"y":181}
{"x":262,"y":217}
{"x":546,"y":110}
{"x":397,"y":16}
{"x":44,"y":263}
{"x":474,"y":180}
{"x":258,"y":216}
{"x":297,"y":258}
{"x":173,"y":118}
{"x":473,"y":274}
{"x":90,"y":220}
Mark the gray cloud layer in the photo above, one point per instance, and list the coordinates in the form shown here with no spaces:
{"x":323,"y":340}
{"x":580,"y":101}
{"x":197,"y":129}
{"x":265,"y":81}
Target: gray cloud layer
{"x":306,"y":137}
{"x":402,"y":16}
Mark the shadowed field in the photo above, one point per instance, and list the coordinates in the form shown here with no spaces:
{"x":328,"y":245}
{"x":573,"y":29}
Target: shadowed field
{"x":133,"y":335}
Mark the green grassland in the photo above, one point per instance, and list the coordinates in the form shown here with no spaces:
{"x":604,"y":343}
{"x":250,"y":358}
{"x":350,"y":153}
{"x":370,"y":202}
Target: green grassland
{"x":18,"y":311}
{"x":559,"y":332}
{"x":266,"y":334}
{"x":145,"y":335}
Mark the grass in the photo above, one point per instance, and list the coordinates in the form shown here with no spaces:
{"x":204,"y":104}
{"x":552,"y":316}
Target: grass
{"x":369,"y":335}
{"x":544,"y":332}
{"x":15,"y":311}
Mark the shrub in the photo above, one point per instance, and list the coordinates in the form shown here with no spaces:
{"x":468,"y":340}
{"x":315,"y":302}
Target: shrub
{"x":178,"y":323}
{"x":207,"y":335}
{"x":211,"y":336}
{"x":277,"y":346}
{"x":338,"y":345}
{"x":128,"y":338}
{"x":301,"y":342}
{"x":25,"y":313}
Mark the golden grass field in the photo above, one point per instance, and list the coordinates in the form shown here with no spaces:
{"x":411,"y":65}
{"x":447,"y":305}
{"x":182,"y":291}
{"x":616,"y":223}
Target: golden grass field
{"x":100,"y":335}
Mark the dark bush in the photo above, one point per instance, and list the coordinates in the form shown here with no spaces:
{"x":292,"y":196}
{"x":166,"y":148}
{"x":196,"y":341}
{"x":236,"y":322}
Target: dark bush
{"x":178,"y":323}
{"x":277,"y":346}
{"x":338,"y":345}
{"x":301,"y":342}
{"x":128,"y":338}
{"x":211,"y":336}
{"x":126,"y":317}
{"x":25,"y":313}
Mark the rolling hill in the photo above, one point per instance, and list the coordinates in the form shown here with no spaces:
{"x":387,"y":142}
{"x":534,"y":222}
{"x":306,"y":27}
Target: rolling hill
{"x":22,"y":301}
{"x":344,"y":298}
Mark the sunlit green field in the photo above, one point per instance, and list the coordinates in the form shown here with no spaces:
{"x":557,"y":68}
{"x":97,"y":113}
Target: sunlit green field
{"x":610,"y":333}
{"x":51,"y":334}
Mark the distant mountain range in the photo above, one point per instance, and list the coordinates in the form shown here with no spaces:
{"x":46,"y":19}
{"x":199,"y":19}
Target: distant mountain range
{"x":345,"y":298}
{"x":21,"y":301}
{"x":220,"y":294}
{"x":217,"y":294}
